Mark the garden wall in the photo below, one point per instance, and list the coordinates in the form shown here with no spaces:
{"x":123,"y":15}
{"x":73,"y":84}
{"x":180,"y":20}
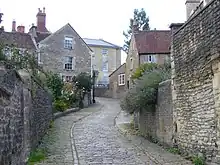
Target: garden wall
{"x":23,"y":119}
{"x":195,"y":54}
{"x":158,"y":124}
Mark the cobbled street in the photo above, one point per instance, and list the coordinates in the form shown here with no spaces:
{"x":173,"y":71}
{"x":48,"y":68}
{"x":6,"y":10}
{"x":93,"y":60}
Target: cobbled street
{"x":90,"y":137}
{"x":98,"y":141}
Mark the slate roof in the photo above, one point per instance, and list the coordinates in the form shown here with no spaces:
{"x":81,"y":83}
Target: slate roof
{"x":41,"y":36}
{"x":155,"y":41}
{"x":19,"y":40}
{"x":100,"y":42}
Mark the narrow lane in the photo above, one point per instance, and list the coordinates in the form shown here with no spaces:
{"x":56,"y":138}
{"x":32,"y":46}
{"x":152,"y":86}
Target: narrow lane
{"x":98,"y":141}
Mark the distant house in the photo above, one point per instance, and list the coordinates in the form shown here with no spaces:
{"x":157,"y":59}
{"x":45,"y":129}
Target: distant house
{"x":106,"y":58}
{"x":63,"y":52}
{"x":150,"y":46}
{"x":117,"y":86}
{"x":19,"y":40}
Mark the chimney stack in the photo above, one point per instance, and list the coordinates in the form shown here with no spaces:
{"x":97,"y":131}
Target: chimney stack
{"x":41,"y":20}
{"x":135,"y":28}
{"x":13,"y":26}
{"x":191,"y":5}
{"x":21,"y":29}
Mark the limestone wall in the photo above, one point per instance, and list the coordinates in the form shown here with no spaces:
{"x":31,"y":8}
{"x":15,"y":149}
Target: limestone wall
{"x":23,"y":119}
{"x":194,"y":60}
{"x":158,"y":123}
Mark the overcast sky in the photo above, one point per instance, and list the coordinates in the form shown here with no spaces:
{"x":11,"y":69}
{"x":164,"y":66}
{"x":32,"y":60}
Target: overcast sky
{"x":104,"y":19}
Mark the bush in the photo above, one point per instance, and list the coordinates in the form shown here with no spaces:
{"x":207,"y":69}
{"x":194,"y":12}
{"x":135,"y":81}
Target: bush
{"x":55,"y":85}
{"x":144,"y":94}
{"x":60,"y":105}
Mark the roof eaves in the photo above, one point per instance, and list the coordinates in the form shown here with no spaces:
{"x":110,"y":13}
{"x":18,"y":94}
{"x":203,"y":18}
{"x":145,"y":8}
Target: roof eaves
{"x":116,"y":69}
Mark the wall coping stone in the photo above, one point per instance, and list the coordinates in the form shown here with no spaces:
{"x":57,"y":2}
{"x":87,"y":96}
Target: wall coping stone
{"x":164,"y":82}
{"x":193,"y":17}
{"x":61,"y":114}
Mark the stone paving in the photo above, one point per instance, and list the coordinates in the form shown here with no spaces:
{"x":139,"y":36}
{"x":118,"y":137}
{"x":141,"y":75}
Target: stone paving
{"x":91,"y":137}
{"x":58,"y":140}
{"x":98,"y":141}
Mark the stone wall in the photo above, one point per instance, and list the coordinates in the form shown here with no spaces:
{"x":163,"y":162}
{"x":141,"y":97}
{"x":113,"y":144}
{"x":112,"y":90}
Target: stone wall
{"x":195,"y":83}
{"x":23,"y":119}
{"x":158,"y":123}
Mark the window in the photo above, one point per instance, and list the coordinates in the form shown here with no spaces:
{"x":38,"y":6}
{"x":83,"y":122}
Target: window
{"x":149,"y":58}
{"x":68,"y":43}
{"x":68,"y":64}
{"x":121,"y":79}
{"x":105,"y":66}
{"x":131,"y":67}
{"x":104,"y":51}
{"x":67,"y":78}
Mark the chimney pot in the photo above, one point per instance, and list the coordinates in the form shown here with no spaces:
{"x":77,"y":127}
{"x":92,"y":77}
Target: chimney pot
{"x":13,"y":26}
{"x":43,"y":9}
{"x":21,"y":29}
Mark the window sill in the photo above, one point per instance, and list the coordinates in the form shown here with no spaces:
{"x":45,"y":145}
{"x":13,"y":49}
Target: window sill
{"x":68,"y":69}
{"x":121,"y":84}
{"x":40,"y":62}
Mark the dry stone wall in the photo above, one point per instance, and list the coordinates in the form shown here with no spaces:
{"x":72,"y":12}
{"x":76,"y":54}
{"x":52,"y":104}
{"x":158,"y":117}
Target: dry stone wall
{"x":194,"y":60}
{"x":23,"y":119}
{"x":158,"y":123}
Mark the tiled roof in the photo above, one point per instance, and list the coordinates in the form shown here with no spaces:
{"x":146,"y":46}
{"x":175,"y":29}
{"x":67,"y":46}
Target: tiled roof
{"x":41,"y":36}
{"x":155,"y":41}
{"x":100,"y":42}
{"x":19,"y":40}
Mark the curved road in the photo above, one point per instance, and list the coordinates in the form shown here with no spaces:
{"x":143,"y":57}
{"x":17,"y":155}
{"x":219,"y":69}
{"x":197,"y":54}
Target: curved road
{"x":98,"y":142}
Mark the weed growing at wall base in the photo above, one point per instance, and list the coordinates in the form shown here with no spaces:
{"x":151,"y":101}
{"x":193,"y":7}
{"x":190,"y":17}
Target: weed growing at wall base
{"x":37,"y":156}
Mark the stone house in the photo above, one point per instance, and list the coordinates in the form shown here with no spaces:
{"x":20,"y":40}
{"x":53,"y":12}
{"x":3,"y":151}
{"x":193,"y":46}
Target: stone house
{"x":117,"y":86}
{"x":63,"y":52}
{"x":106,"y":58}
{"x":150,"y":46}
{"x":195,"y":83}
{"x":19,"y":40}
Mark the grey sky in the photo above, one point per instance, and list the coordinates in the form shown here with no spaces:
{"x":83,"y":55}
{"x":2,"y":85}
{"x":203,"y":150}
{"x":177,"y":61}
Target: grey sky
{"x":93,"y":18}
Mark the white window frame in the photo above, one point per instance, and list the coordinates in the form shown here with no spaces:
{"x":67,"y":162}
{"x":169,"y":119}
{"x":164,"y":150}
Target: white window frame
{"x":67,"y":63}
{"x":121,"y":79}
{"x":68,"y":42}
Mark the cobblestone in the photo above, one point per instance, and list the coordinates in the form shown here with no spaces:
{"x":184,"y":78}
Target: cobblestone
{"x":58,"y":142}
{"x":98,"y":141}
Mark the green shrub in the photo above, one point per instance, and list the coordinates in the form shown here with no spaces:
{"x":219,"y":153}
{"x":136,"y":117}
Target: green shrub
{"x":36,"y":156}
{"x":55,"y":85}
{"x":60,"y":105}
{"x":198,"y":160}
{"x":144,"y":94}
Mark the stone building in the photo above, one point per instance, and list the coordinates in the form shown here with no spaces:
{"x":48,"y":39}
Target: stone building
{"x":65,"y":52}
{"x":151,"y":46}
{"x":117,"y":86}
{"x":106,"y":58}
{"x":195,"y":67}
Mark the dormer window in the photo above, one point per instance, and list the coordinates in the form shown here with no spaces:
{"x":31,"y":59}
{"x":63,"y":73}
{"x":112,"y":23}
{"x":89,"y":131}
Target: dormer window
{"x":68,"y":43}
